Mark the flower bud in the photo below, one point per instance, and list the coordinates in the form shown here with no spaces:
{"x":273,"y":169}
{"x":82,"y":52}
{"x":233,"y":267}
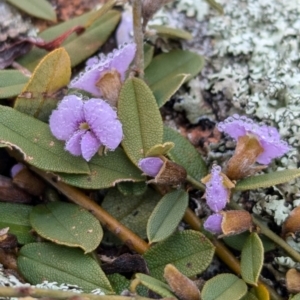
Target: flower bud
{"x":183,"y":287}
{"x":213,"y":224}
{"x":235,"y":222}
{"x":292,"y":223}
{"x":293,"y":281}
{"x":164,"y":171}
{"x":26,"y":180}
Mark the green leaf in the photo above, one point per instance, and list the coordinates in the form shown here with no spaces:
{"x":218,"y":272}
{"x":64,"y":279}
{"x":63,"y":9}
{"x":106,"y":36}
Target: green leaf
{"x":224,"y":287}
{"x":252,"y":259}
{"x":16,"y":217}
{"x":171,"y":33}
{"x":119,"y":283}
{"x":67,"y":224}
{"x":189,"y":251}
{"x":41,"y":9}
{"x":296,"y":297}
{"x":155,"y":285}
{"x":249,"y":296}
{"x":218,"y":7}
{"x":132,"y":188}
{"x":237,"y":241}
{"x":35,"y":142}
{"x":40,"y":262}
{"x":38,"y":96}
{"x":168,"y":71}
{"x":132,"y":211}
{"x":88,"y":42}
{"x":140,"y":117}
{"x":267,"y":180}
{"x":105,"y":171}
{"x":160,"y":149}
{"x":11,"y":83}
{"x":167,"y":215}
{"x":185,"y":154}
{"x":148,"y":54}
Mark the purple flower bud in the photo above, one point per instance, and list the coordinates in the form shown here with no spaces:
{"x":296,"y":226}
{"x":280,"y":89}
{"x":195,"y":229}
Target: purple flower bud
{"x":86,"y":126}
{"x":213,"y":224}
{"x":151,"y":165}
{"x":118,"y":60}
{"x":267,"y":136}
{"x":16,"y":169}
{"x":216,"y":193}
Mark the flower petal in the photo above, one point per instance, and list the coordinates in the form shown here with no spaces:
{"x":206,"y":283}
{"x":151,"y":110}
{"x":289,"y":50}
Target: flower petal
{"x":216,"y":193}
{"x":267,"y":136}
{"x":151,"y":165}
{"x":213,"y":224}
{"x":120,"y":60}
{"x":103,"y":122}
{"x":73,"y":145}
{"x":65,"y":120}
{"x":124,"y":32}
{"x":89,"y":145}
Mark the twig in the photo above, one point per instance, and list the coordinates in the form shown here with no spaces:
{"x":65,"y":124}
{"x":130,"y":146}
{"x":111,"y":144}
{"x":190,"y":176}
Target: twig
{"x":138,"y":36}
{"x":57,"y":294}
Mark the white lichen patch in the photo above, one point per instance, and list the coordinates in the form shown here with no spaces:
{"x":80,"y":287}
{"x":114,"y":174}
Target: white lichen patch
{"x":271,"y":205}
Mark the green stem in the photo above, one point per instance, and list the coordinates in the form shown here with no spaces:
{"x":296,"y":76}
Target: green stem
{"x":195,"y":183}
{"x":270,"y":234}
{"x":39,"y":293}
{"x":138,"y":36}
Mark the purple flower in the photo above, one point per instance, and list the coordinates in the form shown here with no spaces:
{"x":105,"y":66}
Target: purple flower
{"x":216,"y":193}
{"x":213,"y":224}
{"x":124,"y":32}
{"x":151,"y":165}
{"x":117,"y":61}
{"x":267,"y":136}
{"x":85,"y":125}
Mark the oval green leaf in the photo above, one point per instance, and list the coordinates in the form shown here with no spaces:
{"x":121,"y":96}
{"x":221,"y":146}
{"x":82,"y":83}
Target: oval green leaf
{"x":155,"y":285}
{"x":11,"y":83}
{"x":171,"y":33}
{"x":168,"y":71}
{"x":131,"y":211}
{"x":224,"y":287}
{"x":252,"y":259}
{"x":40,"y":262}
{"x":118,"y":282}
{"x":36,"y":143}
{"x":105,"y":171}
{"x":16,"y":217}
{"x":132,"y":188}
{"x":160,"y":149}
{"x":67,"y":224}
{"x":41,"y":9}
{"x":38,"y":96}
{"x":88,"y":42}
{"x":237,"y":241}
{"x":141,"y":119}
{"x":189,"y":251}
{"x":267,"y":180}
{"x":296,"y":297}
{"x":167,"y":215}
{"x":185,"y":154}
{"x":249,"y":296}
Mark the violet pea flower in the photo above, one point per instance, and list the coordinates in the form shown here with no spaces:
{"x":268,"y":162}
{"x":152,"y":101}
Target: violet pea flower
{"x":213,"y":223}
{"x":267,"y":136}
{"x":86,"y":125}
{"x":151,"y":165}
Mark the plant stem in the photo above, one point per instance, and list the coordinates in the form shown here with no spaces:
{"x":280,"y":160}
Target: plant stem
{"x":57,"y":294}
{"x":138,"y":36}
{"x":198,"y":185}
{"x":270,"y":234}
{"x":114,"y":226}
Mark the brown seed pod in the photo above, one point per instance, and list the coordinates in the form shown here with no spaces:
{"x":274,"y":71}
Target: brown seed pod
{"x":293,"y":281}
{"x":292,"y":223}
